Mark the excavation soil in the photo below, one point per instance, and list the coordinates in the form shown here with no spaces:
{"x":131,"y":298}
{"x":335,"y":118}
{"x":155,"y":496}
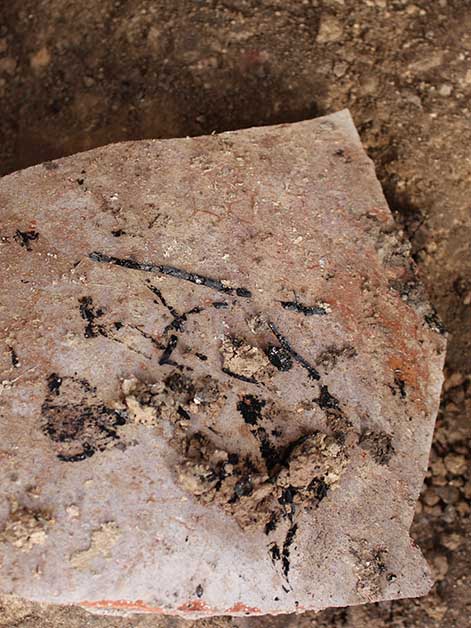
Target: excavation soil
{"x":74,"y":75}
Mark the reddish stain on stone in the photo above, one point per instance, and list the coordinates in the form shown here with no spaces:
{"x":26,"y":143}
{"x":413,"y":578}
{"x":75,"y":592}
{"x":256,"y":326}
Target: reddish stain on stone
{"x":194,"y":605}
{"x":242,"y":608}
{"x":136,"y":605}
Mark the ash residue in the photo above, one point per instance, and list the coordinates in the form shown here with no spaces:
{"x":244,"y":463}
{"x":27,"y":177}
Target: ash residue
{"x":254,"y":495}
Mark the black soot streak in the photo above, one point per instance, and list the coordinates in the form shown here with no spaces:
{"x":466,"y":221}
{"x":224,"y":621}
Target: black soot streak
{"x":170,"y":271}
{"x":307,"y":310}
{"x":312,"y":372}
{"x":24,"y":238}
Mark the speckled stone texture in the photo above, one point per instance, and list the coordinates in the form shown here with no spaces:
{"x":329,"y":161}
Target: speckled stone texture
{"x":219,"y":377}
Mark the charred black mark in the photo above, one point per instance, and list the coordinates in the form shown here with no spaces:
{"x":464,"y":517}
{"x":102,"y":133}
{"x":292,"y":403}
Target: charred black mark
{"x":251,"y":409}
{"x":201,"y":356}
{"x":220,"y":305}
{"x":272,"y":523}
{"x":242,"y":378}
{"x":24,"y":238}
{"x":307,"y":310}
{"x":318,"y":489}
{"x":170,"y":271}
{"x":275,"y":552}
{"x":14,"y":358}
{"x":287,"y":548}
{"x":326,"y":400}
{"x":312,"y":373}
{"x":279,"y":357}
{"x":179,"y":320}
{"x":89,"y":314}
{"x":118,"y":325}
{"x":243,"y":487}
{"x":399,"y":385}
{"x":199,"y":591}
{"x":117,"y":233}
{"x":167,"y":352}
{"x":79,"y":429}
{"x":54,"y":383}
{"x":269,"y":453}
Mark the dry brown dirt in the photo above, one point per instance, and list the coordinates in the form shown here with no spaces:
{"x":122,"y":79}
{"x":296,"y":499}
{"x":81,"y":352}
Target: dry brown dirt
{"x":78,"y":74}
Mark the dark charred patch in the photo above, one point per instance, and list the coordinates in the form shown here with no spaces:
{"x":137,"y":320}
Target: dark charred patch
{"x":220,"y":305}
{"x":14,"y":358}
{"x":170,"y":271}
{"x":399,"y":386}
{"x":311,"y":371}
{"x":279,"y":357}
{"x":24,"y":238}
{"x":242,"y":378}
{"x":90,"y":314}
{"x":326,"y":400}
{"x":168,"y":350}
{"x":287,"y":549}
{"x":201,"y":356}
{"x":179,"y":320}
{"x":274,"y":552}
{"x":307,"y":310}
{"x":251,"y":409}
{"x":117,"y":233}
{"x":54,"y":383}
{"x":378,"y":445}
{"x":271,"y":524}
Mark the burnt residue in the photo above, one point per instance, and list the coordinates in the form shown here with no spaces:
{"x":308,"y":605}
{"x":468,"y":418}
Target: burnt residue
{"x":24,"y":238}
{"x":379,"y":445}
{"x":287,"y":549}
{"x":117,"y":233}
{"x":399,"y":386}
{"x":179,"y":320}
{"x":168,"y":350}
{"x":274,"y":551}
{"x":250,"y":407}
{"x":78,"y":423}
{"x":171,"y":271}
{"x":311,"y":371}
{"x":242,"y":378}
{"x":307,"y":310}
{"x":279,"y":357}
{"x":90,"y":314}
{"x":54,"y":382}
{"x":14,"y":358}
{"x":220,"y":305}
{"x":326,"y":400}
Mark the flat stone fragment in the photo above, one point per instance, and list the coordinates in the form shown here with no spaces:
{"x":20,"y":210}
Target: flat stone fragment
{"x":219,"y":378}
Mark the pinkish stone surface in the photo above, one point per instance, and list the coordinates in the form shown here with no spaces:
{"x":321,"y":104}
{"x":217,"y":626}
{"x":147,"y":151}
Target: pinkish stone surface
{"x":219,"y":378}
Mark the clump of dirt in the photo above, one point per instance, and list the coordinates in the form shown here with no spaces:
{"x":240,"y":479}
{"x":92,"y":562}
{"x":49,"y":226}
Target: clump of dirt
{"x":243,"y":360}
{"x":378,"y":445}
{"x":255,"y":496}
{"x":26,"y":527}
{"x":171,"y":399}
